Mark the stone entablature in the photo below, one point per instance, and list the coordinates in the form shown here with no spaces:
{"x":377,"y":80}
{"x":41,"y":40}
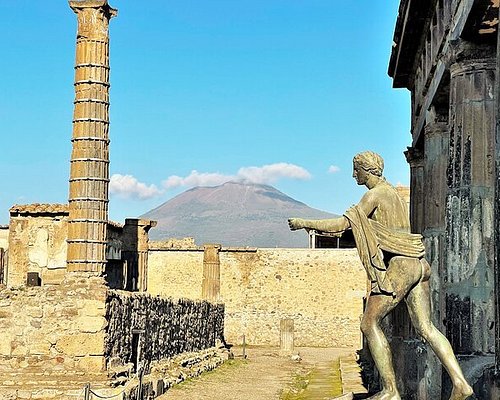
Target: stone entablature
{"x":421,"y":65}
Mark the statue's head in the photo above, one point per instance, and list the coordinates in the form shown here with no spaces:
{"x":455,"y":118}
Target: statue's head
{"x":365,"y":164}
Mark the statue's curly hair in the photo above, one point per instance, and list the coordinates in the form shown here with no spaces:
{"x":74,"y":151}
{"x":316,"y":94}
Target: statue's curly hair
{"x":370,"y":161}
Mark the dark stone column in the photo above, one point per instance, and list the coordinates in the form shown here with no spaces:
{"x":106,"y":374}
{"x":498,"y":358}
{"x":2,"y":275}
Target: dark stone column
{"x":496,"y":239}
{"x":436,"y":145}
{"x":469,"y":271}
{"x":415,"y":158}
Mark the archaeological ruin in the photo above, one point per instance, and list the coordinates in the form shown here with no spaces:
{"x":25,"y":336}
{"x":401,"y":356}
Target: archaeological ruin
{"x":74,"y":307}
{"x":92,"y":307}
{"x":445,"y":54}
{"x":89,"y":304}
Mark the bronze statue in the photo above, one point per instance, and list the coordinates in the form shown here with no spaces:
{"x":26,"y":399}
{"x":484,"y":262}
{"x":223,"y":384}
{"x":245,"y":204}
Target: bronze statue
{"x":395,"y":264}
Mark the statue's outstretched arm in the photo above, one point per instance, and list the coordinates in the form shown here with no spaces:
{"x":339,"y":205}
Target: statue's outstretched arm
{"x":334,"y":225}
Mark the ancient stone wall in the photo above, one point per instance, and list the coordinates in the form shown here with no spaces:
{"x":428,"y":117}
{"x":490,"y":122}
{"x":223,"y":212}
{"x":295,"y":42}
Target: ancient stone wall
{"x":57,"y":329}
{"x":322,"y":290}
{"x":37,"y":243}
{"x":143,"y":328}
{"x":37,"y":237}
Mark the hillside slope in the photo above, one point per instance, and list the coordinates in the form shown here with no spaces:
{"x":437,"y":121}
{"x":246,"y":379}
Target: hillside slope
{"x":233,"y":214}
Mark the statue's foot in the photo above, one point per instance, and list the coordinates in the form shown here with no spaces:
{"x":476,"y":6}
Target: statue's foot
{"x":385,"y":395}
{"x":461,"y":391}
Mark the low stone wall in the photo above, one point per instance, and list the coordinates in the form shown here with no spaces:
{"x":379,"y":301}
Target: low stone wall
{"x":322,"y":290}
{"x":174,"y":371}
{"x":163,"y":327}
{"x":53,"y":329}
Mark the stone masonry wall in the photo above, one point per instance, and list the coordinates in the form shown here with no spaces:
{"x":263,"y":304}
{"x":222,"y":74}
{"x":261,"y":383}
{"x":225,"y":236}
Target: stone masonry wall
{"x":55,"y":329}
{"x":321,"y":289}
{"x":37,"y":244}
{"x":165,"y":327}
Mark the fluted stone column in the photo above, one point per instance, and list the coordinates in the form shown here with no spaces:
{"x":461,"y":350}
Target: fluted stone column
{"x":415,"y":158}
{"x":211,"y":273}
{"x":496,"y":238}
{"x":89,"y":174}
{"x":436,"y":145}
{"x":470,"y":201}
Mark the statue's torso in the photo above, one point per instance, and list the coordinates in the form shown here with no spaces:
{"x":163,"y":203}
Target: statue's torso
{"x":391,"y":210}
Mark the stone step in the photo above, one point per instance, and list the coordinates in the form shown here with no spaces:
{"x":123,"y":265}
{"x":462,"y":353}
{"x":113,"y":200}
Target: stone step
{"x":350,"y":372}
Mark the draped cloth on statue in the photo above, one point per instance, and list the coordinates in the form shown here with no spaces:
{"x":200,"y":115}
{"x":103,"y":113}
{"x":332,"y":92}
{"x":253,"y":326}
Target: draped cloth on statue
{"x":372,"y":238}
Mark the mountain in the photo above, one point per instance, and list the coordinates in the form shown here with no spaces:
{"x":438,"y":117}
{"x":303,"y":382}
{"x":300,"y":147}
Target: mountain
{"x":233,"y":214}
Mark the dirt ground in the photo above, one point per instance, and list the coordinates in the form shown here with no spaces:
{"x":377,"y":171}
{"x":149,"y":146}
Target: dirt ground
{"x":264,"y":375}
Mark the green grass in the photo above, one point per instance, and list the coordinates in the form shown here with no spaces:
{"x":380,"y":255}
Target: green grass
{"x":310,"y":384}
{"x":297,"y":387}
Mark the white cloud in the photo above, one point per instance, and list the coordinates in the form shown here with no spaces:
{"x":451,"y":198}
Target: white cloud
{"x":273,"y":172}
{"x":127,"y":186}
{"x":333,"y":169}
{"x":196,"y":178}
{"x":266,"y":174}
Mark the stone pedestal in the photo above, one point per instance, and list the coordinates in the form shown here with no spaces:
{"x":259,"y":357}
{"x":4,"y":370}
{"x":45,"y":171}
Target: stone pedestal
{"x":287,"y":336}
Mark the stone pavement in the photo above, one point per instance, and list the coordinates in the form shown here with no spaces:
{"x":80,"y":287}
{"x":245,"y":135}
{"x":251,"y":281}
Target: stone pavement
{"x":322,"y":374}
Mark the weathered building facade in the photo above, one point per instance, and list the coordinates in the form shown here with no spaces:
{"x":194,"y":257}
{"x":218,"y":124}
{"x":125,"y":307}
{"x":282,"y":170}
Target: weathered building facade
{"x":445,"y":54}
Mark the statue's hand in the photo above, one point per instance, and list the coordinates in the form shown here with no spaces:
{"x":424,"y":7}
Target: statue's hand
{"x":296,"y":223}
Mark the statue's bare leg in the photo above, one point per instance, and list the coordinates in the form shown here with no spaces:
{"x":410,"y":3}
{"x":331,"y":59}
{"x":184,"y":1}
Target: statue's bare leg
{"x":403,"y":273}
{"x":377,"y":308}
{"x":418,"y":301}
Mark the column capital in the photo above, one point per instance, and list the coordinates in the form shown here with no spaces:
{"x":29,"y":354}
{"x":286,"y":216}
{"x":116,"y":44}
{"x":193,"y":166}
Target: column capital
{"x":77,"y":5}
{"x":414,"y":157}
{"x":436,"y":128}
{"x":465,"y":56}
{"x":93,"y":18}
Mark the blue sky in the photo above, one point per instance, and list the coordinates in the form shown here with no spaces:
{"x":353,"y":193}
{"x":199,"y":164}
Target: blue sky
{"x":275,"y":91}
